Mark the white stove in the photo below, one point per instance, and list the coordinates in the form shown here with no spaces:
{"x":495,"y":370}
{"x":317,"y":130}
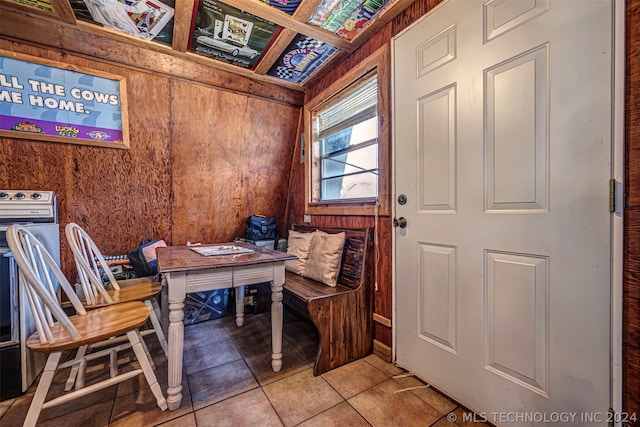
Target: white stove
{"x":27,"y":206}
{"x":37,"y":210}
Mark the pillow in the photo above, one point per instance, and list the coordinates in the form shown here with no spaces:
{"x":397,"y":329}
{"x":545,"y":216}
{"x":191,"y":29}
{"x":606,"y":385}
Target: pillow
{"x":298,"y":244}
{"x":325,"y":257}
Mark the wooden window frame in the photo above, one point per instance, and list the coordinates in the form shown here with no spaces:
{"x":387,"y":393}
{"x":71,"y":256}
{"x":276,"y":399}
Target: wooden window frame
{"x":378,"y":64}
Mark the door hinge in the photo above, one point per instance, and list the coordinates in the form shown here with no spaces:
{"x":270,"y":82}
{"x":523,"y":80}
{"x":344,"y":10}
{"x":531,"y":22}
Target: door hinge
{"x":612,"y":195}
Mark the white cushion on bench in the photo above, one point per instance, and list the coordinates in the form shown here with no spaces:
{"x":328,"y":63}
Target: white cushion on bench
{"x":298,"y":244}
{"x":325,"y":256}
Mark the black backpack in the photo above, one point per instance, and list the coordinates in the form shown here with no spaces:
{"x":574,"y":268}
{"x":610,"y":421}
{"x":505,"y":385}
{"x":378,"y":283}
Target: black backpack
{"x":262,"y":228}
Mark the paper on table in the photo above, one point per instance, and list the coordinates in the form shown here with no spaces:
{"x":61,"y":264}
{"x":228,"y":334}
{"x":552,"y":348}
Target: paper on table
{"x":220,"y":250}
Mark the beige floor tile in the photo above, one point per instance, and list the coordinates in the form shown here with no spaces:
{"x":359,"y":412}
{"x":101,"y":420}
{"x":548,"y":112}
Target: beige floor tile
{"x":4,"y":405}
{"x":252,"y":323}
{"x":231,"y":382}
{"x":388,"y":368}
{"x":138,"y":382}
{"x":219,"y":383}
{"x":253,"y":340}
{"x":435,"y":399}
{"x":188,"y":420}
{"x":247,"y":409}
{"x":301,"y":396}
{"x":353,"y":378}
{"x":209,"y":355}
{"x":94,"y":416}
{"x":106,"y":395}
{"x":444,"y":422}
{"x":204,"y":332}
{"x":307,"y":349}
{"x":381,"y":406}
{"x":262,"y":369}
{"x":141,"y":409}
{"x":340,"y":415}
{"x":17,"y":412}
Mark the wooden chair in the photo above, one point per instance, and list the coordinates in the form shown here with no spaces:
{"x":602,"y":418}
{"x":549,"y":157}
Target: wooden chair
{"x":56,"y":332}
{"x":94,"y":294}
{"x":89,"y":259}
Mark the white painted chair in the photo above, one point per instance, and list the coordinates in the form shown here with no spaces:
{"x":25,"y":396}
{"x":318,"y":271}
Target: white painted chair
{"x":57,"y":332}
{"x":92,"y":290}
{"x":88,"y":260}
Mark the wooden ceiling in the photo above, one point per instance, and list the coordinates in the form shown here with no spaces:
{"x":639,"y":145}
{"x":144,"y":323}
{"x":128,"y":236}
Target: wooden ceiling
{"x":263,"y":64}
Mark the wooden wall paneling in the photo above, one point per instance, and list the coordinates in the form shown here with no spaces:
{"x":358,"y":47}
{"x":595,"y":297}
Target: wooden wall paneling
{"x":414,"y":12}
{"x":322,"y":81}
{"x":268,"y":145}
{"x":206,"y":164}
{"x":633,"y":103}
{"x":631,"y":309}
{"x":631,"y":357}
{"x":296,"y":201}
{"x":230,"y":165}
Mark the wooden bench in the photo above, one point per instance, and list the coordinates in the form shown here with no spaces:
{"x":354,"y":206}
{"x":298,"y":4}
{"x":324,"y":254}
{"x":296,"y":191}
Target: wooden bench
{"x":343,"y":315}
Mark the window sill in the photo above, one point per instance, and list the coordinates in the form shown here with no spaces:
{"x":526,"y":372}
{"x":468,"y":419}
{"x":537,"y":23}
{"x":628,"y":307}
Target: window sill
{"x":364,"y":208}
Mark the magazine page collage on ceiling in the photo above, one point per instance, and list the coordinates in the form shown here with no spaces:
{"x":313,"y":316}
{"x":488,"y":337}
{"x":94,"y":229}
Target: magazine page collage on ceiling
{"x":225,"y":33}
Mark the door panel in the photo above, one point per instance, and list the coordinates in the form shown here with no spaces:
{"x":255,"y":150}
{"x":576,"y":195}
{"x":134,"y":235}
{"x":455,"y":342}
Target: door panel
{"x":502,"y":132}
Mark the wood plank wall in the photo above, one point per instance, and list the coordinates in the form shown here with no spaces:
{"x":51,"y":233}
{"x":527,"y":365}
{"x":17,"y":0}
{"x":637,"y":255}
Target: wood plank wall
{"x":203,"y":156}
{"x":631,"y":299}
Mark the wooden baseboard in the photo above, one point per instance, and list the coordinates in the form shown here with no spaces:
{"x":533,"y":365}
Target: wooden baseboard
{"x":382,"y":351}
{"x":382,"y":320}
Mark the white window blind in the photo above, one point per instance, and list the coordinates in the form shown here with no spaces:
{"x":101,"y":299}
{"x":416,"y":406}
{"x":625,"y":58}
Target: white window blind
{"x":358,"y":106}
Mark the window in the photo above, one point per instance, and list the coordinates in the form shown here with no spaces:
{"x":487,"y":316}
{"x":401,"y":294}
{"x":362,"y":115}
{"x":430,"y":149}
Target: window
{"x":347,"y":156}
{"x":347,"y":132}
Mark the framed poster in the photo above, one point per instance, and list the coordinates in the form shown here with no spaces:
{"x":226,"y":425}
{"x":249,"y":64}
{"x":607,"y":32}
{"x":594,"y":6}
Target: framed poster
{"x":228,"y":34}
{"x":146,"y":19}
{"x":50,"y":8}
{"x":301,"y":59}
{"x":346,"y":18}
{"x":41,"y":100}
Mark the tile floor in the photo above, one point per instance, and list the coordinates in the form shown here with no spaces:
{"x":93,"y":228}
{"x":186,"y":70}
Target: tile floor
{"x":229,"y":382}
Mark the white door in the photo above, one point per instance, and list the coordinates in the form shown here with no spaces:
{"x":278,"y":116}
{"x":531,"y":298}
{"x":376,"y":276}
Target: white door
{"x":502,"y":126}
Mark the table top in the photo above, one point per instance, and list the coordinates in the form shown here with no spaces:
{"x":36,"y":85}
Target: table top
{"x":183,"y":258}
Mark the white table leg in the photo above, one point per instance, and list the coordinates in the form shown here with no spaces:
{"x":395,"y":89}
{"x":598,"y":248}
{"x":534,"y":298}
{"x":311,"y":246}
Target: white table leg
{"x":276,"y":316}
{"x":240,"y":305}
{"x":176,"y":283}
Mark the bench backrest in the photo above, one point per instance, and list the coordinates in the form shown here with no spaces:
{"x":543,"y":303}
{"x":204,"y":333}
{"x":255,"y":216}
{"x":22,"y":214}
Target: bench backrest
{"x":355,"y":266}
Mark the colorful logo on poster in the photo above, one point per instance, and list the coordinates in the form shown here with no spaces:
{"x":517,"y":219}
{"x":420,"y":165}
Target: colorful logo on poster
{"x":301,"y":59}
{"x":68,"y":131}
{"x":27,"y":127}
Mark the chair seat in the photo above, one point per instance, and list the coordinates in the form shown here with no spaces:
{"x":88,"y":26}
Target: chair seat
{"x":140,"y":292}
{"x":95,"y":326}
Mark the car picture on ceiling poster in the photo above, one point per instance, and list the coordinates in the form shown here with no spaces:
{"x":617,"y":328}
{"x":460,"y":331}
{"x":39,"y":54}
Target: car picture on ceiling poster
{"x":301,"y":59}
{"x":230,"y":35}
{"x":147,"y":19}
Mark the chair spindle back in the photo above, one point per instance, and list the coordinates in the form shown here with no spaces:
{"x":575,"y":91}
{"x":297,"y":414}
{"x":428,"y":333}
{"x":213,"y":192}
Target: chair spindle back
{"x":88,"y":260}
{"x":39,"y":273}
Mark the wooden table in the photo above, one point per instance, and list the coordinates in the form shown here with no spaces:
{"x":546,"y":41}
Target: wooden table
{"x":185,"y":271}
